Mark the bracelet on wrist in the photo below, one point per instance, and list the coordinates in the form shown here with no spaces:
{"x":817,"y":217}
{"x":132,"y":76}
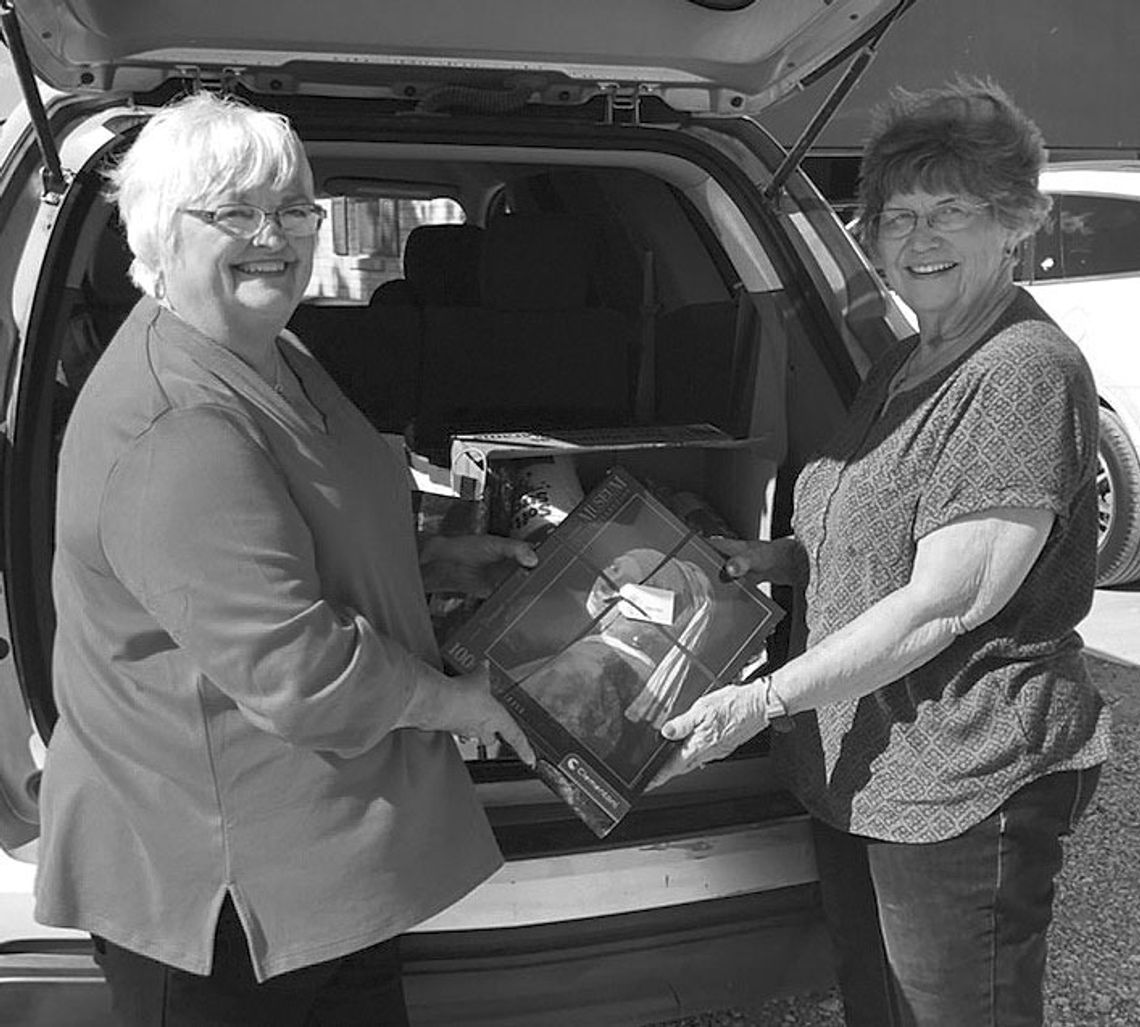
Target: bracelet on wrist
{"x":775,"y":711}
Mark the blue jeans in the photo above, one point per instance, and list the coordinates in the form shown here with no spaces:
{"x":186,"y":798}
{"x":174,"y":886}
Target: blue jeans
{"x":951,"y":933}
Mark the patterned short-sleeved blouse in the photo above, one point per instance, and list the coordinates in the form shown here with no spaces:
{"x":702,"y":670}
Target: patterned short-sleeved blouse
{"x":1012,"y":423}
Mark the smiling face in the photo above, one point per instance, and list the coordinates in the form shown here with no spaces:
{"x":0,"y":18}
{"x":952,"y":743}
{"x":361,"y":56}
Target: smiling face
{"x":945,"y":275}
{"x":231,"y":288}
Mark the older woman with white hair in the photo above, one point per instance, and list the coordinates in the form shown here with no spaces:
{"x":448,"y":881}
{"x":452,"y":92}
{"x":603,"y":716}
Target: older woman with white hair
{"x":946,"y":733}
{"x":252,"y":787}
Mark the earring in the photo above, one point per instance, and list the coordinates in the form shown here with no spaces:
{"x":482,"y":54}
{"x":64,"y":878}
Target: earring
{"x":159,"y":287}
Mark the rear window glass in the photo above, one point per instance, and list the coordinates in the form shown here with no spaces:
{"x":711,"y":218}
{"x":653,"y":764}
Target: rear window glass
{"x":361,"y":244}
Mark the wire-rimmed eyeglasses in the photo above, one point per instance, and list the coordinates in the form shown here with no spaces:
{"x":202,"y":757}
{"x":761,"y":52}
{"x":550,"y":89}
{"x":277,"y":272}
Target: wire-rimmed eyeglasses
{"x":244,"y":220}
{"x":899,"y":222}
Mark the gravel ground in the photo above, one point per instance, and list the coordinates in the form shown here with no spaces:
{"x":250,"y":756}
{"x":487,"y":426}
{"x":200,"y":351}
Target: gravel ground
{"x":1094,"y":956}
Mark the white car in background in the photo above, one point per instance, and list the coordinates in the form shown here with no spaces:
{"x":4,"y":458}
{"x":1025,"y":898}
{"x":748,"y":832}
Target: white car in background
{"x":1083,"y":267}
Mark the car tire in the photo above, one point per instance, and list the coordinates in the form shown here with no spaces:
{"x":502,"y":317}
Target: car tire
{"x":1118,"y":504}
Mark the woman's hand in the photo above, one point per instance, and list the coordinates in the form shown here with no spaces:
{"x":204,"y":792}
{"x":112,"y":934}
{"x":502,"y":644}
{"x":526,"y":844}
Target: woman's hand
{"x":781,"y":561}
{"x":464,"y":706}
{"x":713,"y":727}
{"x":471,"y":564}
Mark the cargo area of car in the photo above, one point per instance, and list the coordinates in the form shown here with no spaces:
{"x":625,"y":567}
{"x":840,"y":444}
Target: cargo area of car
{"x":611,"y":297}
{"x":585,"y":296}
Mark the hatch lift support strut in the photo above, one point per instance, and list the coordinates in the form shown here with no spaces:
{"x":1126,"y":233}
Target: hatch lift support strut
{"x":54,"y":179}
{"x":837,"y":95}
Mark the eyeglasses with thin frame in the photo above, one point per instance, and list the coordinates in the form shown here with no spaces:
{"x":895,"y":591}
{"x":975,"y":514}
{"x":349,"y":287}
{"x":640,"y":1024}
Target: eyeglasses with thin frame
{"x":244,"y":220}
{"x":899,"y":222}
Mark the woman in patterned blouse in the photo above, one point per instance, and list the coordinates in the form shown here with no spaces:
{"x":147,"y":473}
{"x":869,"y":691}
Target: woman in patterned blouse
{"x":947,"y":735}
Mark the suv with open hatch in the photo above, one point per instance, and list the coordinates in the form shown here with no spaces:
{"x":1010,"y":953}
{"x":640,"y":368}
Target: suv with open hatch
{"x":561,"y":223}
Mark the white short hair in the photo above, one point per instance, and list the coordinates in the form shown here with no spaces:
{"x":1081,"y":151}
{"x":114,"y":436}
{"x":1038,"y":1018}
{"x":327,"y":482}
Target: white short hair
{"x":189,"y":152}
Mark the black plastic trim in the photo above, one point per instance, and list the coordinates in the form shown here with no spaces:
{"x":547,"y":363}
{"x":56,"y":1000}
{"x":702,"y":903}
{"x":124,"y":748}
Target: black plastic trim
{"x":533,"y":831}
{"x":632,"y":968}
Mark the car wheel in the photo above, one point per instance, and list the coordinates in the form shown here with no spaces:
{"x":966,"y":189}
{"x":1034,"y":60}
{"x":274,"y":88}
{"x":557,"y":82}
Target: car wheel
{"x":1118,"y":504}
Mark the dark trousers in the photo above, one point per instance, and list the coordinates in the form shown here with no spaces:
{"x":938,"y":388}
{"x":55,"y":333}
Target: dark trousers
{"x":359,"y":990}
{"x":952,"y":933}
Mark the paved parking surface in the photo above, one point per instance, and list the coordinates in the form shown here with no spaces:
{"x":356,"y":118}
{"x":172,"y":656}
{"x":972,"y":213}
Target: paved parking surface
{"x":1112,"y":630}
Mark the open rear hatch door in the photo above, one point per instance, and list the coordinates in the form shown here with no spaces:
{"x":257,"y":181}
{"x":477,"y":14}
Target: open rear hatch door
{"x":725,"y":57}
{"x":707,"y":58}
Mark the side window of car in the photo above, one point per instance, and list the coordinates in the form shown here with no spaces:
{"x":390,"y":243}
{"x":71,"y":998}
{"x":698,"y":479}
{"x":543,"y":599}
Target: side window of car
{"x":1041,"y":256}
{"x":1100,"y":235}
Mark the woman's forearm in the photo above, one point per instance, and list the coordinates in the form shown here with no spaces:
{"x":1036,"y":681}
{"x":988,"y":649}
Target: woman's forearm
{"x":781,"y":561}
{"x":793,"y":562}
{"x":963,"y":574}
{"x":892,"y":638}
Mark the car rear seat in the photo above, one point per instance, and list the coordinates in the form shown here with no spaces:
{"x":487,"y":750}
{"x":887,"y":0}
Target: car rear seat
{"x":694,"y":364}
{"x":534,"y":354}
{"x":441,"y":268}
{"x":339,"y":337}
{"x":374,"y":353}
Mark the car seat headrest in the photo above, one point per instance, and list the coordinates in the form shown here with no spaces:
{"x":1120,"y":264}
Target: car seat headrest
{"x":441,"y":266}
{"x":538,"y":262}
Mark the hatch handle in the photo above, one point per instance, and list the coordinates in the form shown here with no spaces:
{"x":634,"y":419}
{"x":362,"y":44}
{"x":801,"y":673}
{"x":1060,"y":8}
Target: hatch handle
{"x":54,"y":180}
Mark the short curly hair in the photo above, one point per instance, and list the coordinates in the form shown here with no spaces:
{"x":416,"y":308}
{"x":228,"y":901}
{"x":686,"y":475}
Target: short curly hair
{"x":188,"y":153}
{"x":967,"y":136}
